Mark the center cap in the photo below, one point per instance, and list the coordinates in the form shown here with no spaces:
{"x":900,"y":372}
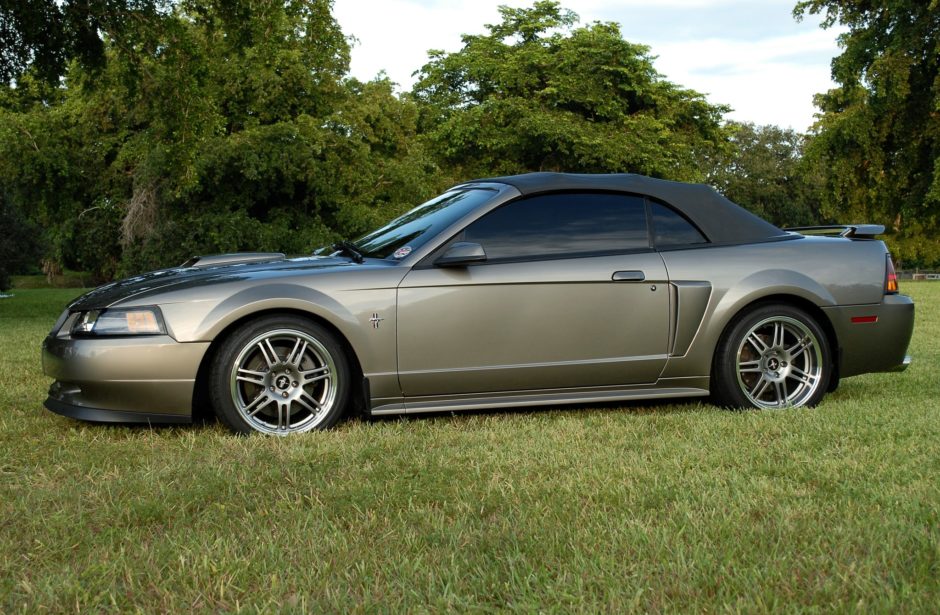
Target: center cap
{"x":282,"y":382}
{"x":773,"y":363}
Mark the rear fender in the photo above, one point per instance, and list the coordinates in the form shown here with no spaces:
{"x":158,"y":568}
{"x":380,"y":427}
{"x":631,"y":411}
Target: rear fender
{"x":761,"y":285}
{"x":726,"y":304}
{"x":768,"y":283}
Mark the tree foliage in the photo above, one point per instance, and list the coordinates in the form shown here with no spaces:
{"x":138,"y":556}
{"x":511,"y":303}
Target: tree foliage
{"x":43,"y":35}
{"x":19,"y":243}
{"x":237,"y":131}
{"x":176,"y":127}
{"x":764,"y":170}
{"x":878,"y":136}
{"x":537,"y":93}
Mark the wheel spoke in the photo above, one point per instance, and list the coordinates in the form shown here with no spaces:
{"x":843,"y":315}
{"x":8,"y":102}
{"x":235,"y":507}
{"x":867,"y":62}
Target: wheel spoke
{"x":780,"y":393}
{"x":801,"y":376}
{"x":290,"y":355}
{"x":271,"y":349}
{"x":759,"y":388}
{"x":267,"y":351}
{"x":747,"y":367}
{"x":296,"y":356}
{"x":257,"y":404}
{"x":308,"y":402}
{"x":778,"y":335}
{"x":315,"y":375}
{"x":247,"y":375}
{"x":757,"y":343}
{"x":283,"y":415}
{"x":801,"y":346}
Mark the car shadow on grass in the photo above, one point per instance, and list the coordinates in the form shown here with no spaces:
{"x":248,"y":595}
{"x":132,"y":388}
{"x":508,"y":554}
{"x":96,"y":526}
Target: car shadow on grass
{"x":206,"y":420}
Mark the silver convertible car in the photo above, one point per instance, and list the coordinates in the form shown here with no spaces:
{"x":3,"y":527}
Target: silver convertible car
{"x":536,"y":289}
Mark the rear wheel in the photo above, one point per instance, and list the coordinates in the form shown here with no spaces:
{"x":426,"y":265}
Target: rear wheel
{"x":775,"y":356}
{"x":280,"y":375}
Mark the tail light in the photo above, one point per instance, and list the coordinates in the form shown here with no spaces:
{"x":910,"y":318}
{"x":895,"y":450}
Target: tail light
{"x":891,"y":278}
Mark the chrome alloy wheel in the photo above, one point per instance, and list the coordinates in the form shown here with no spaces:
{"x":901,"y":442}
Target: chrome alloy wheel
{"x":283,"y":382}
{"x":779,"y":363}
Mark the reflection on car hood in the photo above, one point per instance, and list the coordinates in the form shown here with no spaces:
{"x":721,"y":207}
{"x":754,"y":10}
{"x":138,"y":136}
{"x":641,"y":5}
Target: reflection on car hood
{"x":182,"y":277}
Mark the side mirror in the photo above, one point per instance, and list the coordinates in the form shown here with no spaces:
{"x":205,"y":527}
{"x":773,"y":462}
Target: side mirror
{"x":461,"y":254}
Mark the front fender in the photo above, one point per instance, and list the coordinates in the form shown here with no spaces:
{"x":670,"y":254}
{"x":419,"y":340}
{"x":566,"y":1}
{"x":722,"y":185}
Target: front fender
{"x":267,"y":297}
{"x":348,"y":312}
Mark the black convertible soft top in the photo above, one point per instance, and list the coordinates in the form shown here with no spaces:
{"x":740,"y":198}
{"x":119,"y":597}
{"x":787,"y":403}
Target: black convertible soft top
{"x":721,"y":220}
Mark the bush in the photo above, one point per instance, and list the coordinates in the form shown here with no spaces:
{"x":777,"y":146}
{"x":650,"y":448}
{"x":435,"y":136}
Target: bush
{"x":19,"y":246}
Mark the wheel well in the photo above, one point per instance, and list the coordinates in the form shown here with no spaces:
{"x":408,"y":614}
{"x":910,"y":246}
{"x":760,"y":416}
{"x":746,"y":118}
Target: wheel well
{"x":807,"y":306}
{"x":202,"y":406}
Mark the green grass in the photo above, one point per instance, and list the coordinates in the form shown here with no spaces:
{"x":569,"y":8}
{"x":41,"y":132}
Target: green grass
{"x":650,"y":507}
{"x":68,"y":279}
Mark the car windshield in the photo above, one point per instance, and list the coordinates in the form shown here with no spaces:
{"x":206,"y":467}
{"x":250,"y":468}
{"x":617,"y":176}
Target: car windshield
{"x":404,"y":234}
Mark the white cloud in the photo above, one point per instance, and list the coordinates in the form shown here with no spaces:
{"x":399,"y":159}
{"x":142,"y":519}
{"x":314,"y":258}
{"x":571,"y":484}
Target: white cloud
{"x":395,"y":35}
{"x":768,"y":82}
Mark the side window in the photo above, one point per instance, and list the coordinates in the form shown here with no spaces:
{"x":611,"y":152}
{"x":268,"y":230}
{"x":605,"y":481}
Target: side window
{"x":671,"y":230}
{"x":558,"y":225}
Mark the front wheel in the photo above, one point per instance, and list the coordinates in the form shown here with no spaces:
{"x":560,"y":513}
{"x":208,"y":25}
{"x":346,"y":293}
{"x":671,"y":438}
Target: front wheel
{"x":279,"y":375}
{"x":775,"y":356}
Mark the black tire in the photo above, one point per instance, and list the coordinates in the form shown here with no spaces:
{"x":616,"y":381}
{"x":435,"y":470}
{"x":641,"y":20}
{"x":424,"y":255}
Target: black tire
{"x":280,"y":374}
{"x":794,"y":371}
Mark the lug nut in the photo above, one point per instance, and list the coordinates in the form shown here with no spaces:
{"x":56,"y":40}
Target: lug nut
{"x":272,"y":388}
{"x":294,"y":384}
{"x":284,"y":394}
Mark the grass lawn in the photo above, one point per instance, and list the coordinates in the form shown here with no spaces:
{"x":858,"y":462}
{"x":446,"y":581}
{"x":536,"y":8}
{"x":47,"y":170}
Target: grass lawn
{"x":67,"y":279}
{"x":651,"y":507}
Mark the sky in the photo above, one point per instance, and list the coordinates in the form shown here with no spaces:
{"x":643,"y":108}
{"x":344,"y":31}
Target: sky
{"x":749,"y":54}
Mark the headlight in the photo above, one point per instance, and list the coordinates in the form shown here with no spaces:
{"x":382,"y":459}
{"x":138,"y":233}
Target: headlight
{"x":60,"y":322}
{"x":118,"y":321}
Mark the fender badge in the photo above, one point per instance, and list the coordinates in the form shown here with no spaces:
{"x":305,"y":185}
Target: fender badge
{"x":375,"y":320}
{"x":402,"y":252}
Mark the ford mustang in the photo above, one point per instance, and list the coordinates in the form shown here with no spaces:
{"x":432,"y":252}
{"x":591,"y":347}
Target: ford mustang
{"x":536,"y":289}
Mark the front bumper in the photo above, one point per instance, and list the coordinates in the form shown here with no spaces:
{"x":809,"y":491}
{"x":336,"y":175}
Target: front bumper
{"x":125,"y":380}
{"x":874,"y":337}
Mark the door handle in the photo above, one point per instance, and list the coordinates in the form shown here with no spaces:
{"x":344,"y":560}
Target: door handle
{"x":628,"y":276}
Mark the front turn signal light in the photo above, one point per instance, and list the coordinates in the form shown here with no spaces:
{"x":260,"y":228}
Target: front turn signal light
{"x":891,"y":278}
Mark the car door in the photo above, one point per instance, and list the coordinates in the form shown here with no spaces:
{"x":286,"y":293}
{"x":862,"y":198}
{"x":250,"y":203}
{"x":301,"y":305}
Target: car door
{"x":571,"y":295}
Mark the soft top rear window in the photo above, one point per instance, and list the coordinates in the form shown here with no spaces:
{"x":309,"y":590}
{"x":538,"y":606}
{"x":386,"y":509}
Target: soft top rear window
{"x":671,"y":229}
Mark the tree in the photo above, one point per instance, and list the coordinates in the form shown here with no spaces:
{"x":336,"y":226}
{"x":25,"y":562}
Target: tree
{"x":764,"y":171}
{"x":18,"y":243}
{"x":535,"y":93}
{"x":879,"y":131}
{"x":44,"y":35}
{"x":237,"y":130}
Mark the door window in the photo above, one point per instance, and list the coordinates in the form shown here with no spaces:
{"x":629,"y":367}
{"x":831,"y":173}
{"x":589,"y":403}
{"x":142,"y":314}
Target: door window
{"x":562,"y":225}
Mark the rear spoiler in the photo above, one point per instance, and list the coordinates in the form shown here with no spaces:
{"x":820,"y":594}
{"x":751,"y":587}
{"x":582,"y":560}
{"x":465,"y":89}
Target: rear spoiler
{"x":851,"y":231}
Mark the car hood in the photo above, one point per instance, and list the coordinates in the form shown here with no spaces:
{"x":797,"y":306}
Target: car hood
{"x":231,"y":269}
